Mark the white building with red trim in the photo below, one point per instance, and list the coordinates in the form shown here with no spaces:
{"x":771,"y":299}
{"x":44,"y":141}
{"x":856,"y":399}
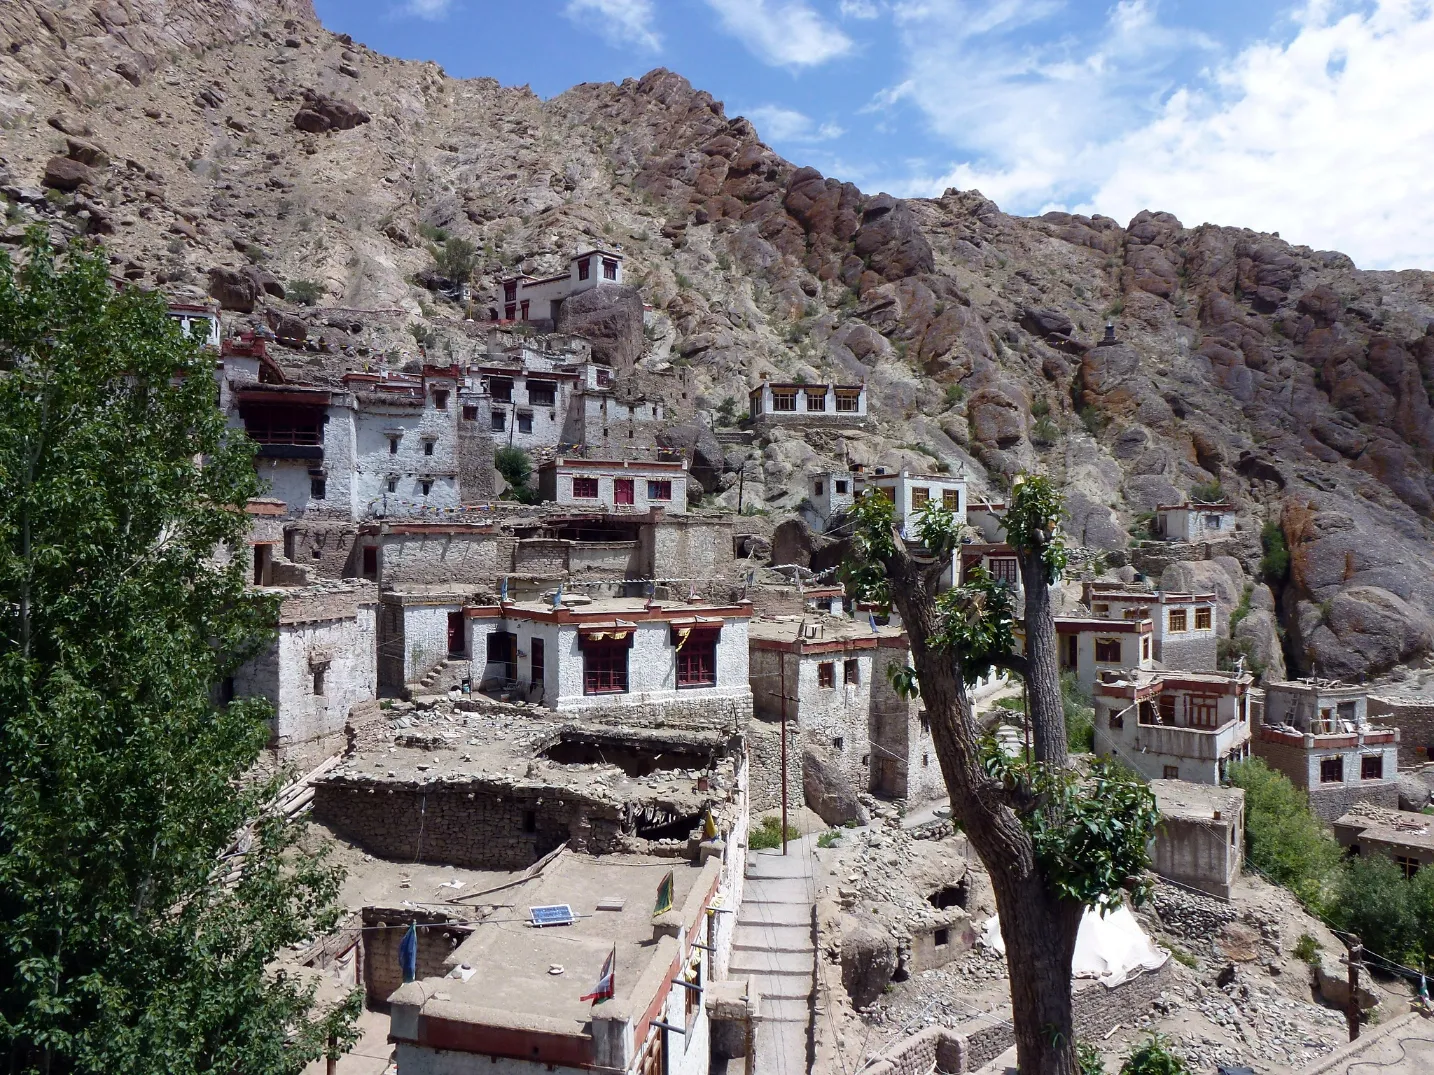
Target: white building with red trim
{"x":618,"y":486}
{"x":1091,"y":646}
{"x":1174,"y":725}
{"x":1185,"y":624}
{"x":910,"y":494}
{"x":802,"y":403}
{"x":612,"y":655}
{"x":528,"y":298}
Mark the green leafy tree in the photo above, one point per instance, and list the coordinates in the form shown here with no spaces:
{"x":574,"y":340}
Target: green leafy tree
{"x":515,"y":466}
{"x":1051,"y":843}
{"x":1373,"y":900}
{"x":455,"y":259}
{"x":1283,"y":839}
{"x":122,"y":783}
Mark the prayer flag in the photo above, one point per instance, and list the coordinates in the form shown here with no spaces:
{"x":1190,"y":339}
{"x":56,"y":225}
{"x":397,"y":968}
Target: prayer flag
{"x":408,"y":953}
{"x":709,"y":826}
{"x":871,"y":616}
{"x":664,"y":896}
{"x":606,"y":986}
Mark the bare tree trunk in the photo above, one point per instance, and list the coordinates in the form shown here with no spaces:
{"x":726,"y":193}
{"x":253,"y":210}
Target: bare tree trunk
{"x":1039,"y":931}
{"x":1043,"y":669}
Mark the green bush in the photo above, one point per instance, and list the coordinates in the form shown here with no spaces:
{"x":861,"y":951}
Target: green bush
{"x":954,"y":394}
{"x":829,"y":839}
{"x":726,"y":414}
{"x":1283,"y":839}
{"x":1040,"y":408}
{"x":304,"y":292}
{"x":1307,"y":949}
{"x":768,"y":835}
{"x":516,"y":467}
{"x":433,"y":233}
{"x":1275,"y":564}
{"x":1208,"y":493}
{"x":1154,"y":1058}
{"x":455,"y":259}
{"x":1045,"y":432}
{"x":1080,"y":714}
{"x":1088,"y":1059}
{"x":1093,"y":420}
{"x":1372,"y":900}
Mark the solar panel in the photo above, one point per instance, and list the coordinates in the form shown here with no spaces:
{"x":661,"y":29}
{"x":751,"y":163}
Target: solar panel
{"x":556,"y":914}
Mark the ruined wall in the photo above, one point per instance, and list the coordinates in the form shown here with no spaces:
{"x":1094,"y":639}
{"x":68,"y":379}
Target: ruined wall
{"x":383,"y":930}
{"x":477,"y":824}
{"x":1415,"y":720}
{"x":326,"y":547}
{"x":606,"y":559}
{"x":546,"y":557}
{"x":422,"y":558}
{"x":477,"y":480}
{"x":904,"y":764}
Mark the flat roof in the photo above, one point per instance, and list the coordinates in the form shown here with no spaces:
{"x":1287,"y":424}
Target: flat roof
{"x":1182,"y":798}
{"x":835,"y":632}
{"x":1080,"y":624}
{"x":632,"y":609}
{"x":1388,"y":826}
{"x":1194,"y":507}
{"x":1314,"y":686}
{"x":1159,"y":597}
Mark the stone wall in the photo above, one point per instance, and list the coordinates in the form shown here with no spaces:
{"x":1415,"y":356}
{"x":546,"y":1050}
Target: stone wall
{"x":694,"y":547}
{"x":764,"y":746}
{"x":462,"y":557}
{"x":1332,"y":801}
{"x":1414,"y":717}
{"x":383,"y":930}
{"x":327,"y":547}
{"x":1192,"y":651}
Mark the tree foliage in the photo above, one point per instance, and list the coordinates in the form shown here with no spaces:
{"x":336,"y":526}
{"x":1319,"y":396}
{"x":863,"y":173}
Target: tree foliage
{"x":1283,"y":840}
{"x":455,"y":259}
{"x":121,"y":781}
{"x":1033,"y":522}
{"x":516,"y":468}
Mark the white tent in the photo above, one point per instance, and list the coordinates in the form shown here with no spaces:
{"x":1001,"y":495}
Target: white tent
{"x":1110,"y":949}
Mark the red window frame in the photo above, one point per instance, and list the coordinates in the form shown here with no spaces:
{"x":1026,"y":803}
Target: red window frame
{"x":1004,"y":569}
{"x":826,"y":674}
{"x":622,"y":491}
{"x":609,"y":269}
{"x":605,"y":664}
{"x":697,"y":658}
{"x":585,"y":488}
{"x":510,"y":292}
{"x":524,"y":306}
{"x":1107,"y":650}
{"x":584,"y":268}
{"x":659,"y":490}
{"x":851,"y":671}
{"x":1371,"y":767}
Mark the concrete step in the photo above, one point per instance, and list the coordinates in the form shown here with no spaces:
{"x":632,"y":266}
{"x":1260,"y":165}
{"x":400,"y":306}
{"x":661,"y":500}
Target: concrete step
{"x":776,"y":890}
{"x":774,"y":914}
{"x":770,"y":961}
{"x":785,"y":1010}
{"x":774,"y":939}
{"x":786,"y":987}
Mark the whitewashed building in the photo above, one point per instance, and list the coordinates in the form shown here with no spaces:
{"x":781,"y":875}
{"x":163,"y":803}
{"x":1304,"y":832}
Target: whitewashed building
{"x":617,"y":486}
{"x":526,"y":298}
{"x":829,"y":493}
{"x":809,"y":404}
{"x":1174,"y":725}
{"x":1195,"y":522}
{"x":910,"y":494}
{"x":1186,"y":633}
{"x":1090,"y":646}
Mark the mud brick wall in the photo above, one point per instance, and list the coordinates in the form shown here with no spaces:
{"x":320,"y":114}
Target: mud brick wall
{"x":1415,"y":721}
{"x":327,"y":547}
{"x":475,"y":825}
{"x":1332,"y":801}
{"x":384,"y":928}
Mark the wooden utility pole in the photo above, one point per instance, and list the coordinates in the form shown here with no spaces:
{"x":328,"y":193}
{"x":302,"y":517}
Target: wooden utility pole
{"x":1352,"y":965}
{"x":783,"y":688}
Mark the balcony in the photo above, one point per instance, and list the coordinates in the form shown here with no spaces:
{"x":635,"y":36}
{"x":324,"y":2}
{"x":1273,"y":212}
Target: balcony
{"x":1329,"y":741}
{"x":1198,"y":744}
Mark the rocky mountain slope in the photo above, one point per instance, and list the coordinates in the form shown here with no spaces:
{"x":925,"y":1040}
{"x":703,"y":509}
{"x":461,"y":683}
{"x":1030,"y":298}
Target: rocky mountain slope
{"x":235,"y":147}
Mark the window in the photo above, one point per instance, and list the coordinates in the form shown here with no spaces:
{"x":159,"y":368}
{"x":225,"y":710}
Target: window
{"x":1171,"y":772}
{"x":604,"y":665}
{"x":1212,"y":522}
{"x":470,"y":413}
{"x":1145,"y":648}
{"x":816,"y":399}
{"x":697,"y":659}
{"x":525,"y":421}
{"x":838,"y":742}
{"x":609,"y":269}
{"x":925,"y":724}
{"x":585,"y":488}
{"x":584,"y":268}
{"x":542,"y":393}
{"x":622,"y":491}
{"x":951,"y":499}
{"x":440,"y":399}
{"x":925,"y":760}
{"x":818,"y":488}
{"x":530,"y":821}
{"x":1102,"y":611}
{"x":1177,"y":619}
{"x":1107,"y":650}
{"x":428,"y":447}
{"x":1371,"y":767}
{"x":1167,"y":709}
{"x":510,"y":312}
{"x":1202,"y":619}
{"x":501,"y":389}
{"x":826,"y":674}
{"x":262,"y":555}
{"x":941,"y":937}
{"x":659,"y":490}
{"x":784,"y":400}
{"x":510,"y":291}
{"x":1407,"y":866}
{"x":393,"y":485}
{"x":524,"y":305}
{"x":866,"y":759}
{"x":317,"y":488}
{"x":920,"y":496}
{"x":393,"y":443}
{"x":499,"y":421}
{"x":1072,"y":652}
{"x":370,"y":561}
{"x":848,"y":400}
{"x":841,"y":485}
{"x":319,"y":680}
{"x":851,"y":671}
{"x":1203,"y":712}
{"x":1004,"y":570}
{"x":540,"y":662}
{"x":425,"y":487}
{"x":604,"y":378}
{"x":1331,"y":770}
{"x":1117,"y":718}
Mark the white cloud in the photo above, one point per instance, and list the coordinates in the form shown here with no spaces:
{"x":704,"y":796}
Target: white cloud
{"x":858,"y":9}
{"x":433,"y":10}
{"x":620,"y":22}
{"x":777,"y":124}
{"x":784,"y":33}
{"x":1324,"y":136}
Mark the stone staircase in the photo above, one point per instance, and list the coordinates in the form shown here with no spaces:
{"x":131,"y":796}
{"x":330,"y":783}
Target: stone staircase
{"x":773,"y":945}
{"x":444,"y":675}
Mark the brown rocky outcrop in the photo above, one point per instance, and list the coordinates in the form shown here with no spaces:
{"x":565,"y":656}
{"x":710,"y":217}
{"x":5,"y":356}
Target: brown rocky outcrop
{"x":63,"y":173}
{"x":324,"y":113}
{"x":611,"y":317}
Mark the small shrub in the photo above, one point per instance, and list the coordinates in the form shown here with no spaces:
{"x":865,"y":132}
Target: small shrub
{"x":1093,"y":420}
{"x":726,"y":414}
{"x":1275,"y":564}
{"x":1079,"y":713}
{"x":304,"y":292}
{"x":255,"y":254}
{"x":1208,"y":493}
{"x":1012,"y":702}
{"x":433,"y":233}
{"x":724,"y":262}
{"x":1184,"y":958}
{"x":1088,"y":1059}
{"x":1045,"y":433}
{"x":1154,"y":1058}
{"x":829,"y":839}
{"x":1307,"y":949}
{"x":684,"y":281}
{"x":768,"y":835}
{"x":1040,"y":408}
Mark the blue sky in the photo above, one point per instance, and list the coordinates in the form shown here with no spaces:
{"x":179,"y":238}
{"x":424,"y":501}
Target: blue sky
{"x":1313,"y":118}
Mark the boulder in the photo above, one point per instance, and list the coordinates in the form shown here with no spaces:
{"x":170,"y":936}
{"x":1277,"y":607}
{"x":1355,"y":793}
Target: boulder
{"x":234,"y":289}
{"x":1258,"y":632}
{"x":996,"y":420}
{"x":1205,"y":576}
{"x":610,"y":317}
{"x":868,"y":958}
{"x":1044,"y":323}
{"x":792,"y":543}
{"x":68,"y":124}
{"x":1331,"y":981}
{"x":322,"y":113}
{"x":1414,"y":794}
{"x":62,"y":173}
{"x":91,"y":154}
{"x":288,"y":329}
{"x":701,"y":447}
{"x":828,"y":792}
